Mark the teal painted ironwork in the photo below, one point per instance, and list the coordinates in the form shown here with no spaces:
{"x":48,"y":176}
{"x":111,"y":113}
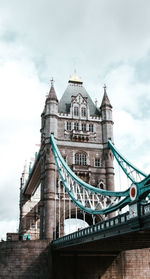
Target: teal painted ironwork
{"x":119,"y":198}
{"x":126,"y":166}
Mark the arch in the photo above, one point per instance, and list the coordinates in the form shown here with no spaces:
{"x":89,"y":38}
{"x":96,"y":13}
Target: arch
{"x":101,"y":184}
{"x":76,"y":213}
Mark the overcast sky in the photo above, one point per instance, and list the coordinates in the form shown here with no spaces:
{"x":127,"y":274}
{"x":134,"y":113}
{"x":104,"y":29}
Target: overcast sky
{"x":107,"y":41}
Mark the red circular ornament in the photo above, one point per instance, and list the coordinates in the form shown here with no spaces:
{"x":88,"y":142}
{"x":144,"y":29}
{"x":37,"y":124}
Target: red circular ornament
{"x":133,"y":192}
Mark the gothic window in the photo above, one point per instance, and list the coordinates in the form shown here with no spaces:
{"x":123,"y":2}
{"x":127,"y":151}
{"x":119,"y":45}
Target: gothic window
{"x":83,"y":112}
{"x":91,"y":128}
{"x":83,"y":126}
{"x":69,"y":126}
{"x":81,"y":159}
{"x":97,"y":162}
{"x":76,"y":111}
{"x":76,"y":126}
{"x":101,"y":185}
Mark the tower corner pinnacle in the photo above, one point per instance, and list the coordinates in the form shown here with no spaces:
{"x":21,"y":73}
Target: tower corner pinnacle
{"x":105,"y":100}
{"x":52,"y":94}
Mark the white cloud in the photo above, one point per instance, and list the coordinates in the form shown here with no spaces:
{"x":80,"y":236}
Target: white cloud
{"x":22,"y":98}
{"x":11,"y":227}
{"x":105,"y":40}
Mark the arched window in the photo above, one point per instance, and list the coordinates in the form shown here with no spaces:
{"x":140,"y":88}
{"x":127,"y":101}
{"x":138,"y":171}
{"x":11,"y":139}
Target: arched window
{"x":101,"y":185}
{"x":81,"y":159}
{"x":76,"y":111}
{"x":83,"y":112}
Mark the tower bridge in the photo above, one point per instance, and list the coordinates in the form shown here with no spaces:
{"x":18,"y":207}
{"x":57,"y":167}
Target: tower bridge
{"x":72,"y":178}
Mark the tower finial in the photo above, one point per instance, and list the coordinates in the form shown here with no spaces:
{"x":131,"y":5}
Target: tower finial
{"x":104,"y":88}
{"x":52,"y":94}
{"x":75,"y":78}
{"x":52,"y":81}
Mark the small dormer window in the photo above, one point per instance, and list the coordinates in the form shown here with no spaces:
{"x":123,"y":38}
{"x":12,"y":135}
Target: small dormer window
{"x":76,"y":111}
{"x":83,"y":112}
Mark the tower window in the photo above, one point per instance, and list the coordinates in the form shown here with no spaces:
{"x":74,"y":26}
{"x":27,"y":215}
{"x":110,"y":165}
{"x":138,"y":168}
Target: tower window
{"x":101,"y":185}
{"x":97,"y":162}
{"x":83,"y":126}
{"x":76,"y":111}
{"x":80,"y":159}
{"x":76,"y":126}
{"x":83,"y":112}
{"x":91,"y":128}
{"x":69,"y":126}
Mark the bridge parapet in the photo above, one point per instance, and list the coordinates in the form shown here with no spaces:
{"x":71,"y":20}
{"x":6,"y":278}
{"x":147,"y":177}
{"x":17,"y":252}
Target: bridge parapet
{"x":122,"y":224}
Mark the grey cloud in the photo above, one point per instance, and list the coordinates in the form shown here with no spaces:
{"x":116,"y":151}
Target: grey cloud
{"x":142,"y":69}
{"x":96,"y":33}
{"x":9,"y":36}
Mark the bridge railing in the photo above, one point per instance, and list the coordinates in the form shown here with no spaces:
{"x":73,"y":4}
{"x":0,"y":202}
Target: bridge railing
{"x":99,"y":227}
{"x":103,"y":226}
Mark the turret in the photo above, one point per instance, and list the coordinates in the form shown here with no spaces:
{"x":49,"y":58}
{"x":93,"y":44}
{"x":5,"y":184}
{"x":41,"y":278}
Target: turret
{"x":49,"y":125}
{"x":25,"y":175}
{"x":50,"y":114}
{"x":106,"y":114}
{"x":107,"y":133}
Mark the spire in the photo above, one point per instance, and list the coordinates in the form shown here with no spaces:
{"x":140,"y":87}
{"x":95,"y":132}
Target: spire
{"x":52,"y":94}
{"x":25,"y":173}
{"x":75,"y":78}
{"x":105,"y":100}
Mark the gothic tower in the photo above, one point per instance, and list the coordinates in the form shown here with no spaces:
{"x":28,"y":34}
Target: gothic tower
{"x":81,"y":131}
{"x":48,"y":168}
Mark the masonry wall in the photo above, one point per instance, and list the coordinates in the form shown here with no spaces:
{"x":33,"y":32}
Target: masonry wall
{"x":33,"y":260}
{"x":133,"y":264}
{"x":25,"y":260}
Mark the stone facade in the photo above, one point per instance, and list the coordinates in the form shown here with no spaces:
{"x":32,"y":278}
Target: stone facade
{"x":81,"y":131}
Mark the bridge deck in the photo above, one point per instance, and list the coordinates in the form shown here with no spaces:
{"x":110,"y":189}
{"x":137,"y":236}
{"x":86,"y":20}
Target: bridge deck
{"x":114,"y":235}
{"x":34,"y":178}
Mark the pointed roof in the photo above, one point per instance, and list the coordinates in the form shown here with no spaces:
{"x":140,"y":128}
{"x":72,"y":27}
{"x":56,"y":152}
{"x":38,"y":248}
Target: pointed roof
{"x":105,"y":100}
{"x":52,"y":94}
{"x":75,"y":87}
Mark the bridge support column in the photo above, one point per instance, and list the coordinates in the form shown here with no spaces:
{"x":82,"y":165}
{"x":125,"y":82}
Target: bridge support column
{"x":109,"y":170}
{"x":109,"y":173}
{"x":48,"y":195}
{"x":50,"y":180}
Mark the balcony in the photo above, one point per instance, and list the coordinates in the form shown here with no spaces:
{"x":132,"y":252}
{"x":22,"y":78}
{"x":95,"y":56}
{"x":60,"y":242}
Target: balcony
{"x":80,"y":135}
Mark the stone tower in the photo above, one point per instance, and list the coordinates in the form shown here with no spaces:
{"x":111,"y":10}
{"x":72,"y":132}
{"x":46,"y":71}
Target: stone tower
{"x":81,"y":131}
